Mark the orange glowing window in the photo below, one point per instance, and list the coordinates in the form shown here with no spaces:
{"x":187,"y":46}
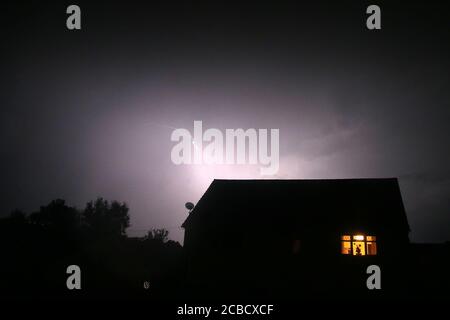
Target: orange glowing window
{"x":358,"y":245}
{"x":371,"y":248}
{"x":346,"y":247}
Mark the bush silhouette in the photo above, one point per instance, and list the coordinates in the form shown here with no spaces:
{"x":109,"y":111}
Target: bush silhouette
{"x":37,"y":248}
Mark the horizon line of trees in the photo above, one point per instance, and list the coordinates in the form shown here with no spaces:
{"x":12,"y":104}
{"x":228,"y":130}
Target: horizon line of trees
{"x":99,"y":218}
{"x":37,"y":248}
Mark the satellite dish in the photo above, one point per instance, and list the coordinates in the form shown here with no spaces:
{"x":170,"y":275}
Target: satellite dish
{"x":189,"y":206}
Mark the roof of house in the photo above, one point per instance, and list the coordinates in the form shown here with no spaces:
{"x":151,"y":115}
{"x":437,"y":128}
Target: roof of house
{"x":367,"y":204}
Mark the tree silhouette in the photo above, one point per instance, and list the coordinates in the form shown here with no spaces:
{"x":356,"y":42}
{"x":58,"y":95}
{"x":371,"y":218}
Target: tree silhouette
{"x":55,"y":216}
{"x":160,"y":235}
{"x":18,"y":217}
{"x":104,"y":218}
{"x":57,"y":235}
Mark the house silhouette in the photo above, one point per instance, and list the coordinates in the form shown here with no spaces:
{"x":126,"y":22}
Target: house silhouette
{"x":290,"y":238}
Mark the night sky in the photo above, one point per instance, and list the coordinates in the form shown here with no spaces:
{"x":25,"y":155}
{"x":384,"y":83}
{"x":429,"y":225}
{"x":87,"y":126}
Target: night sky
{"x":89,"y":113}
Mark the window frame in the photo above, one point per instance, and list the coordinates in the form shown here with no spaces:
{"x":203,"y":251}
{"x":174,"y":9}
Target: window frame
{"x":351,"y":238}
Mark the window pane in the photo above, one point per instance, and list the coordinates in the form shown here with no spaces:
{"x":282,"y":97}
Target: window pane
{"x":371,"y":238}
{"x":347,"y":238}
{"x":359,"y":249}
{"x":371,"y":248}
{"x":358,"y":237}
{"x":346,"y":247}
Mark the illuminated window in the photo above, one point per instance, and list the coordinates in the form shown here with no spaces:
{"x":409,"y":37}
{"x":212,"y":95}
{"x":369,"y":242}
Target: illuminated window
{"x":371,"y":248}
{"x":358,"y":245}
{"x":346,"y":247}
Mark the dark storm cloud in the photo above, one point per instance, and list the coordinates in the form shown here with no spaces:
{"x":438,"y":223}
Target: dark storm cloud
{"x":91,"y":113}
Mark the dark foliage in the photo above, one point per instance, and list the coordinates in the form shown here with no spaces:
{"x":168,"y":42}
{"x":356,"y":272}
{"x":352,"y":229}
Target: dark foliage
{"x":37,"y":249}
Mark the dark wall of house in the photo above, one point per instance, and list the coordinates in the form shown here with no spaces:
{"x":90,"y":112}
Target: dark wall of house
{"x":259,"y":259}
